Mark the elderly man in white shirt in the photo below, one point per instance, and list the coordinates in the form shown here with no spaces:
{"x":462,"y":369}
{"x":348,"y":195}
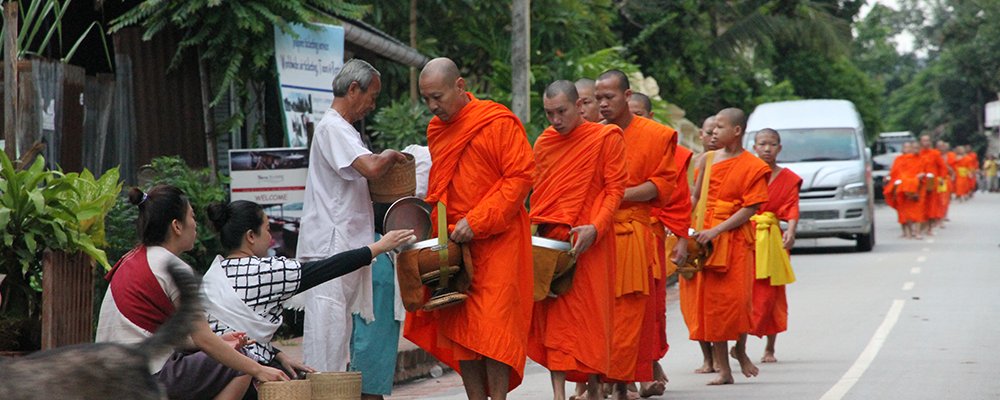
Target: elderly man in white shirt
{"x":337,"y":215}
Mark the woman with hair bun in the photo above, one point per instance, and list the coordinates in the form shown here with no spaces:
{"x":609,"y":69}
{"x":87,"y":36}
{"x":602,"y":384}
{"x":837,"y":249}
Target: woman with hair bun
{"x":142,"y":296}
{"x":246,"y":289}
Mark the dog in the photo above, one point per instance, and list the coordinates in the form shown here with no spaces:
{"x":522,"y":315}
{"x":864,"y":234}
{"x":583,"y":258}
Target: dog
{"x":104,"y":370}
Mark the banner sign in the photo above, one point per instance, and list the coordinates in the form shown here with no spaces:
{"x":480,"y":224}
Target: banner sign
{"x":269,"y":176}
{"x":307,"y":63}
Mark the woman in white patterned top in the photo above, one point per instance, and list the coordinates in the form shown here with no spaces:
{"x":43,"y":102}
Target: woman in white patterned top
{"x":245,"y":290}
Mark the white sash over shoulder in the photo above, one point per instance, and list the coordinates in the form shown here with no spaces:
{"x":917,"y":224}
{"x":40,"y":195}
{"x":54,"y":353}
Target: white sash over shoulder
{"x":222,"y":302}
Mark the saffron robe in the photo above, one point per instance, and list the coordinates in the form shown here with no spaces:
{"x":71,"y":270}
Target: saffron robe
{"x":724,"y":294}
{"x":905,"y":189}
{"x":649,"y":157}
{"x":483,"y":169}
{"x":934,"y":164}
{"x":770,"y":306}
{"x":676,"y":218}
{"x":580,"y":181}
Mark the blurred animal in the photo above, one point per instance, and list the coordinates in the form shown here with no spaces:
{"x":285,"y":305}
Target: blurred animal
{"x":103,"y":370}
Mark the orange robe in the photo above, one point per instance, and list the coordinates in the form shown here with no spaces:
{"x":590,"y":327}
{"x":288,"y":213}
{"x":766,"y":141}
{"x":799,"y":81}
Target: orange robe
{"x":675,"y":217}
{"x":974,"y":166}
{"x":580,"y":181}
{"x":483,"y":169}
{"x":965,"y":175}
{"x":949,"y":181}
{"x":934,"y":164}
{"x":724,"y":296}
{"x":770,"y":307}
{"x":905,"y":189}
{"x":649,"y":157}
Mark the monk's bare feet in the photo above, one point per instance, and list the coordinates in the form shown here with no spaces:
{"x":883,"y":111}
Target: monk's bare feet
{"x":749,"y":370}
{"x":768,"y":357}
{"x":706,"y":368}
{"x":650,"y":389}
{"x":725,"y":378}
{"x":621,"y":392}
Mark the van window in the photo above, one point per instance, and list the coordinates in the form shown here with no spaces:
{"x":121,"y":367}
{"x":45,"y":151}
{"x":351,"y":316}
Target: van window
{"x":804,"y":145}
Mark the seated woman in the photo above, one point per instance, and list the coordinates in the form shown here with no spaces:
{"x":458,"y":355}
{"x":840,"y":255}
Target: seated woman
{"x":142,"y":296}
{"x":245,"y":291}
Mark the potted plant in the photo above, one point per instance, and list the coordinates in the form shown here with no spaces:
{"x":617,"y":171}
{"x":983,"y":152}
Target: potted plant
{"x":43,"y":210}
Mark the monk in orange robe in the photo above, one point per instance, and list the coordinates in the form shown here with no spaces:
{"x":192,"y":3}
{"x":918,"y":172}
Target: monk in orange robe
{"x":737,"y":186}
{"x":905,"y":189}
{"x":770,"y":306}
{"x":935,"y":171}
{"x":649,"y":160}
{"x":964,"y":171}
{"x":579,"y":186}
{"x":974,"y":166}
{"x":675,"y":219}
{"x":948,"y":180}
{"x":483,"y":170}
{"x":688,"y":288}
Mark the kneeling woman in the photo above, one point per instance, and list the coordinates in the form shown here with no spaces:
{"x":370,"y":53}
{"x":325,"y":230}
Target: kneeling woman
{"x":245,"y":291}
{"x":142,"y":296}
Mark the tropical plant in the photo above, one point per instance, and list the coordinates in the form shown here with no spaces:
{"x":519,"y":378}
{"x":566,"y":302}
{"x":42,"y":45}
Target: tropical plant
{"x":47,"y":210}
{"x":47,"y":16}
{"x":400,"y":124}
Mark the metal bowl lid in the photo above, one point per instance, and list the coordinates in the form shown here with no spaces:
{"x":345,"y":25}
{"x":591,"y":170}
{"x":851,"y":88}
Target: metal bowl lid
{"x":550,"y":244}
{"x":409,"y":213}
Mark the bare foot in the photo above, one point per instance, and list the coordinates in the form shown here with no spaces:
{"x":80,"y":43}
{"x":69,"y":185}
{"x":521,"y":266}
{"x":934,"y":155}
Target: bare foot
{"x":768,"y":357}
{"x":706,"y":368}
{"x":654,"y":388}
{"x":725,"y":378}
{"x":749,"y":370}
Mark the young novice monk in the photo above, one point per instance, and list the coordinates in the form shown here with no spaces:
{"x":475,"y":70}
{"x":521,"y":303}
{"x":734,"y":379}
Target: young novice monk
{"x":904,"y":190}
{"x":579,"y":186}
{"x":774,"y":271}
{"x":737,"y":186}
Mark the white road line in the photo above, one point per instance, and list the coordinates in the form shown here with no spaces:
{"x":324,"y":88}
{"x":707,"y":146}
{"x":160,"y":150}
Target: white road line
{"x":915,"y":270}
{"x":921,"y":258}
{"x":846,"y":382}
{"x":908,"y":285}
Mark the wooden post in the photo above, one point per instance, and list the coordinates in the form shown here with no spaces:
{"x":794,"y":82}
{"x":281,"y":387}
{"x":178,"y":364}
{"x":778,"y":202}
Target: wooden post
{"x":67,"y":299}
{"x":520,"y":59}
{"x":10,"y":14}
{"x":69,"y":116}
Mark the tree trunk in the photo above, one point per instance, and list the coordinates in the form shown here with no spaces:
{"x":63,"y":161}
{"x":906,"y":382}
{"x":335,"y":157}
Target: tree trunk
{"x":10,"y":14}
{"x":414,"y":92}
{"x":520,"y":59}
{"x":206,"y":117}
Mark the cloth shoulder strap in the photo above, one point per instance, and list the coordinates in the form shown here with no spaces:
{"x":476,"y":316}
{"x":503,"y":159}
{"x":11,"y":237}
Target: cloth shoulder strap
{"x":702,"y":206}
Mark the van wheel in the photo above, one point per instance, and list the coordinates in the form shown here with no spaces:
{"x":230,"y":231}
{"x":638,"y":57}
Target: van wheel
{"x":866,"y":241}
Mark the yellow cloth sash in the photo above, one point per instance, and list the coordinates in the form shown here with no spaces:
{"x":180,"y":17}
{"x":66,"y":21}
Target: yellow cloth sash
{"x":964,"y":172}
{"x":772,"y":259}
{"x":635,"y":251}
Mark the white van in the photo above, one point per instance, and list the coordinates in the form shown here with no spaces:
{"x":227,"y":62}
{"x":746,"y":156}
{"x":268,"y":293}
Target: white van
{"x":823,"y":141}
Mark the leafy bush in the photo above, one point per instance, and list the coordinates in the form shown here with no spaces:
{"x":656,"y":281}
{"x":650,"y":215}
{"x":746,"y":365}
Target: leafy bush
{"x":44,"y":209}
{"x":399,"y":125}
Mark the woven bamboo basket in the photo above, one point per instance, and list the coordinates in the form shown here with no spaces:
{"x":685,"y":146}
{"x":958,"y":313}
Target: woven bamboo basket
{"x":287,"y":390}
{"x":399,"y":182}
{"x":335,"y":385}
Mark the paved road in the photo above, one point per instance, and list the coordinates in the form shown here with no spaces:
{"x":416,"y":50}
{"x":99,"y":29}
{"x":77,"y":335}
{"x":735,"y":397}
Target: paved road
{"x":909,"y":320}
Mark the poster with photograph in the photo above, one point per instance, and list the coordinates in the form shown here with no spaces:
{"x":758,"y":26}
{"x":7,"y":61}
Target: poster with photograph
{"x":276,"y":179}
{"x":307,"y":63}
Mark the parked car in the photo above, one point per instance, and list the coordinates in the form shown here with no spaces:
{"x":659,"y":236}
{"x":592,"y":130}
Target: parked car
{"x":887,"y":147}
{"x":823,"y":141}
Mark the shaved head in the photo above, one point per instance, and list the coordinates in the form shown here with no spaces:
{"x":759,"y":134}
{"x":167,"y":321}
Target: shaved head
{"x":734,"y":116}
{"x":442,"y":88}
{"x":642,"y":101}
{"x":618,"y":76}
{"x":586,"y":89}
{"x":441,"y":68}
{"x":562,"y":87}
{"x":768,"y":132}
